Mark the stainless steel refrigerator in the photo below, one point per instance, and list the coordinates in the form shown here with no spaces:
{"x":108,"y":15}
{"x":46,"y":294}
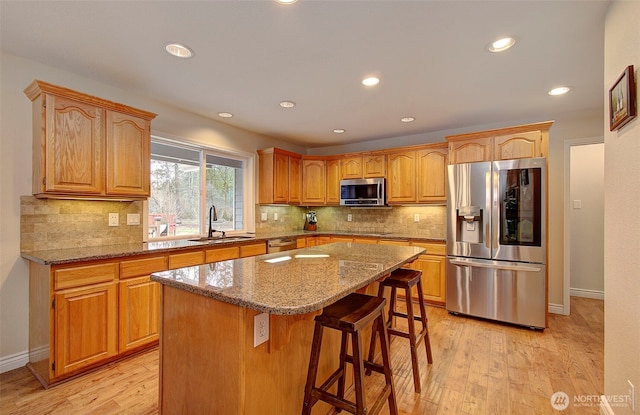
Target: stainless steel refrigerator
{"x":496,"y":236}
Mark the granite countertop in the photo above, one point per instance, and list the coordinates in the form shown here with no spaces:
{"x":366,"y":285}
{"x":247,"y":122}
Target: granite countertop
{"x":307,"y":280}
{"x":91,"y":253}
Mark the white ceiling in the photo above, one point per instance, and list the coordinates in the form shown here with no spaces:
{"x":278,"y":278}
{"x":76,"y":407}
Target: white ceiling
{"x":431,"y":58}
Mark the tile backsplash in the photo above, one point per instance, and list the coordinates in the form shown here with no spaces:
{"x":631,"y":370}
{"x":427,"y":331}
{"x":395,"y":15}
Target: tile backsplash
{"x":58,"y":223}
{"x":400,"y":220}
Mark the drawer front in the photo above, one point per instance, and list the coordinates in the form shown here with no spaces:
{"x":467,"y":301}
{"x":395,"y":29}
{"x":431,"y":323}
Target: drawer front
{"x":253,"y":250}
{"x":84,"y":275}
{"x":187,"y":259}
{"x":146,"y":266}
{"x":222,"y":254}
{"x":432,"y":248}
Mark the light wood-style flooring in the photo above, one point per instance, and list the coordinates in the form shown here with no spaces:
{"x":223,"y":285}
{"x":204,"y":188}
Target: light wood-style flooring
{"x":479,"y":367}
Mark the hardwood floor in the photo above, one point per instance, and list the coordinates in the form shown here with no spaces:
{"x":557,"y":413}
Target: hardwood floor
{"x":479,"y":367}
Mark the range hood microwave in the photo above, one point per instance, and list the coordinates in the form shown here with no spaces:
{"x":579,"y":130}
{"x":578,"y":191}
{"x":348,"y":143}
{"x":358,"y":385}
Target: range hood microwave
{"x":363,"y":192}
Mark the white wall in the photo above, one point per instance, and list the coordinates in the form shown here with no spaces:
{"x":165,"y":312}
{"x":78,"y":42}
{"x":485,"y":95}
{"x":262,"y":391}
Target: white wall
{"x":622,"y":204}
{"x":15,"y":175}
{"x":587,"y":220}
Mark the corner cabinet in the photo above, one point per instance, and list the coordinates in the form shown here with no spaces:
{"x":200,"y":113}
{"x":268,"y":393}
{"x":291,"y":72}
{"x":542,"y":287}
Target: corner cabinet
{"x":523,"y":141}
{"x":88,"y":147}
{"x":280,"y":176}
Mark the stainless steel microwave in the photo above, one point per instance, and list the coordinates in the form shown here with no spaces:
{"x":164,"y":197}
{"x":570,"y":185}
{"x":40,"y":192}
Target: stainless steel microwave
{"x":363,"y":192}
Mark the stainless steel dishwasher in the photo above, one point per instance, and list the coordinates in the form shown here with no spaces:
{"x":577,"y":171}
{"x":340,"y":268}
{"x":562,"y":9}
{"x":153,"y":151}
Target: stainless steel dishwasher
{"x":281,"y":244}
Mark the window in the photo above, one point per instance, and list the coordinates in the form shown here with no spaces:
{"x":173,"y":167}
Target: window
{"x":189,"y":183}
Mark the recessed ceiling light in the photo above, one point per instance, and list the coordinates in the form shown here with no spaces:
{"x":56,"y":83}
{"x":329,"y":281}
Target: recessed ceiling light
{"x":561,"y":90}
{"x":178,"y":50}
{"x":225,"y":114}
{"x":501,"y":45}
{"x":407,"y":119}
{"x":371,"y":81}
{"x":287,"y":104}
{"x":286,"y":1}
{"x":339,"y":131}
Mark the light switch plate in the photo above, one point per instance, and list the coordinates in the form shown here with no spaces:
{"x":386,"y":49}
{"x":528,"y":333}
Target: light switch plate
{"x":263,"y":216}
{"x":577,"y":204}
{"x":114,"y":219}
{"x":416,"y":217}
{"x":133,"y":219}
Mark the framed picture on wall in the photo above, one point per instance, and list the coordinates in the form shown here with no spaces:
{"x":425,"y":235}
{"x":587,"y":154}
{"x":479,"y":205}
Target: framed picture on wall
{"x":622,"y":100}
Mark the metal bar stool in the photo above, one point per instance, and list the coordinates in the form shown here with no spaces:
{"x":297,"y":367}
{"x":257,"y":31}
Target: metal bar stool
{"x":349,"y":316}
{"x":406,"y":279}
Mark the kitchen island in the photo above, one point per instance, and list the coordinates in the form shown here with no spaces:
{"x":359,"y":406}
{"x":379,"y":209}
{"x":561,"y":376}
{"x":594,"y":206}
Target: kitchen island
{"x":208,"y":362}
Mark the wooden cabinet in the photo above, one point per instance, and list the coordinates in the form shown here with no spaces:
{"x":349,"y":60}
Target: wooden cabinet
{"x":87,"y":147}
{"x":128,"y":155}
{"x":432,"y":174}
{"x":186,"y":259}
{"x":139,"y":313}
{"x":433,"y":267}
{"x":333,"y":182}
{"x":314,"y":184}
{"x":523,"y":141}
{"x":401,"y":177}
{"x":253,"y":249}
{"x":279,"y":176}
{"x":363,"y":167}
{"x":85,"y":327}
{"x":222,"y":254}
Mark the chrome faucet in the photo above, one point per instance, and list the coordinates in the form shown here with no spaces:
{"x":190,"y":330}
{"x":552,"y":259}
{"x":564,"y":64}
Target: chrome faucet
{"x":213,"y":217}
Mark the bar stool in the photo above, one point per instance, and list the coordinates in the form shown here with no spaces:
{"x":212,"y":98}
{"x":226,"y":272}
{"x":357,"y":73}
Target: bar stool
{"x":406,"y":279}
{"x":349,"y":316}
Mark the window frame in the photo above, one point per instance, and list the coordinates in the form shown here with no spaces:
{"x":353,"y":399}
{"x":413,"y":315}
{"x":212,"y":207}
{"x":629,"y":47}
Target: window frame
{"x":248,"y":191}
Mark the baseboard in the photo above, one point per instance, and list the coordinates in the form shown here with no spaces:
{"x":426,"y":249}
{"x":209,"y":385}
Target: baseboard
{"x":14,"y":361}
{"x":580,"y":292}
{"x":556,"y":308}
{"x":605,"y":408}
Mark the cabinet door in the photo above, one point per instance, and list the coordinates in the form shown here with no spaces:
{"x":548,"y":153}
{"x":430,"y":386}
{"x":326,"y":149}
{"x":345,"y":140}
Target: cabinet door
{"x":352,"y":168}
{"x":313,"y":182}
{"x":432,"y":173}
{"x":517,"y":146}
{"x":470,"y":151}
{"x":280,"y":178}
{"x":295,"y":180}
{"x":374,"y":166}
{"x":85,"y":327}
{"x":433,"y":277}
{"x":139,"y":313}
{"x":73,"y":147}
{"x":333,"y":182}
{"x":401,"y":177}
{"x":128,"y":155}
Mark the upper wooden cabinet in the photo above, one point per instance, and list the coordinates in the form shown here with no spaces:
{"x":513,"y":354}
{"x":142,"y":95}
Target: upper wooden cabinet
{"x":401,"y":177}
{"x":363,"y":167}
{"x":280,"y":176}
{"x":523,"y":141}
{"x":314,"y":184}
{"x":333,"y":182}
{"x":432,"y":174}
{"x":88,"y":147}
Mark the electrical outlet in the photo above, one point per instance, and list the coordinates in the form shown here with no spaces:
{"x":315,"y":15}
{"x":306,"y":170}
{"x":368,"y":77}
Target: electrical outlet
{"x":114,"y":219}
{"x":275,"y":216}
{"x":632,"y":396}
{"x":263,"y":216}
{"x":260,"y":329}
{"x":349,"y":217}
{"x":416,"y":217}
{"x":133,"y":219}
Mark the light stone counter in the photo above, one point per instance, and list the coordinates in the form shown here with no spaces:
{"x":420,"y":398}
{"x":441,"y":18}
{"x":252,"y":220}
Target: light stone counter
{"x":299,"y":282}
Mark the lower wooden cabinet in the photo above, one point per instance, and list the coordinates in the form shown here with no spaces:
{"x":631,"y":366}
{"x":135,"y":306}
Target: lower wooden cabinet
{"x":139,"y":313}
{"x":433,"y":267}
{"x":86,"y":321}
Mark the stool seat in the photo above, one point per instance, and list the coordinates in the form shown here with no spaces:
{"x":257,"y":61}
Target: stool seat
{"x":406,"y":279}
{"x":349,"y":316}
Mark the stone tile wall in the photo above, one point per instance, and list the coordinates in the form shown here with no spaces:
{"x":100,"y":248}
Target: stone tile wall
{"x":58,"y":224}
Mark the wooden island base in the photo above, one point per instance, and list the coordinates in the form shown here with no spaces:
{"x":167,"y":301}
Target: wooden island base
{"x":208,"y":363}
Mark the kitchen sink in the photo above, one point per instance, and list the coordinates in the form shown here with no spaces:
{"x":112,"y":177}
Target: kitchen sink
{"x":221,"y":239}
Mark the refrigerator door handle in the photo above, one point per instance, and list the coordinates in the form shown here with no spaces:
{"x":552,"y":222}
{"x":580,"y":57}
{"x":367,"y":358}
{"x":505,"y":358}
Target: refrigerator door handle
{"x":495,"y":265}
